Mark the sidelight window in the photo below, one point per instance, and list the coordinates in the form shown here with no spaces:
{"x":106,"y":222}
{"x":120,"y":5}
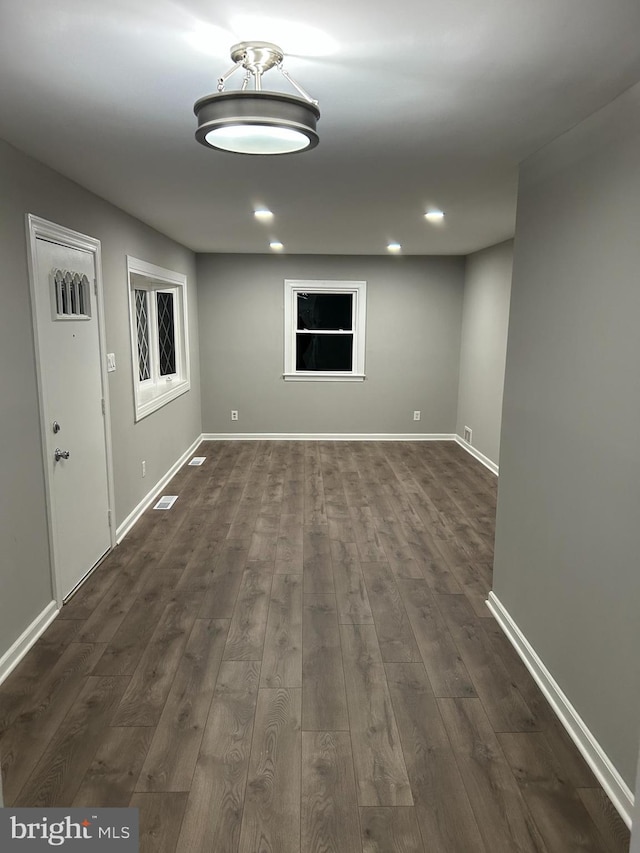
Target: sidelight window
{"x":158,"y":335}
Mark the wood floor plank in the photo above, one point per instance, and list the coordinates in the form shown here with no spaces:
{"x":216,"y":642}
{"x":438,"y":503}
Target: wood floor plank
{"x":174,"y":750}
{"x":244,"y":521}
{"x":293,"y":497}
{"x":111,"y":776}
{"x":95,"y":587}
{"x":397,"y":549}
{"x":340,"y":528}
{"x":503,"y":818}
{"x":318,"y":570}
{"x":351,"y":591}
{"x":123,"y":652}
{"x":263,"y":545}
{"x":442,"y":806}
{"x":381,"y":774}
{"x":112,"y":609}
{"x":505,"y":707}
{"x":612,"y":828}
{"x":440,"y":655}
{"x":215,"y":801}
{"x":390,"y":830}
{"x":249,"y":621}
{"x":289,"y":543}
{"x":314,"y":504}
{"x":18,"y":688}
{"x":282,"y":657}
{"x":148,"y":688}
{"x":330,"y":821}
{"x":564,"y":749}
{"x":271,"y":816}
{"x":222,"y":592}
{"x":57,"y":777}
{"x":559,"y":813}
{"x":435,"y":570}
{"x":366,"y":534}
{"x":27,"y":732}
{"x":395,"y":635}
{"x":160,"y":820}
{"x":324,"y":701}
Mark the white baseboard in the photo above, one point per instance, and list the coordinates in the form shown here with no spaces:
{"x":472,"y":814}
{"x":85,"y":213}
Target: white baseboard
{"x":325,"y":436}
{"x":479,"y":456}
{"x":147,"y":500}
{"x":616,"y":788}
{"x":12,"y":657}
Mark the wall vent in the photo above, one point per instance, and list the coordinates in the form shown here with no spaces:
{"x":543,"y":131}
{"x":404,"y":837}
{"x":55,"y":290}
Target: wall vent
{"x":166,"y":502}
{"x":197,"y":460}
{"x":468,"y":434}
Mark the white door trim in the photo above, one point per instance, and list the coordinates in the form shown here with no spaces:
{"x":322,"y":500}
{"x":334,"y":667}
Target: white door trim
{"x":41,"y":228}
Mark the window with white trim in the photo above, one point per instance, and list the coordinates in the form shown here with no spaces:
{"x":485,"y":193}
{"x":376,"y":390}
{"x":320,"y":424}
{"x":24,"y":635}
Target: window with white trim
{"x":159,"y":337}
{"x":324,"y":330}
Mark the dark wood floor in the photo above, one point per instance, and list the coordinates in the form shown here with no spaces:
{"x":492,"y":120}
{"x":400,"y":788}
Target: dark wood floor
{"x":298,"y":657}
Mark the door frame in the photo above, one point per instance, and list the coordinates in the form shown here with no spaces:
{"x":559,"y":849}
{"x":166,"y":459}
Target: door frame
{"x":42,"y":228}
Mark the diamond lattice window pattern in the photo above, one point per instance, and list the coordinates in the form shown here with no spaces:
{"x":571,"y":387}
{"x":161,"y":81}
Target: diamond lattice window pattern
{"x":142,"y":318}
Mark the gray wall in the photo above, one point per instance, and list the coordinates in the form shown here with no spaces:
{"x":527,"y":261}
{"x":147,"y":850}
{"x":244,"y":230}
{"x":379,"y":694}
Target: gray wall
{"x":483,"y":349}
{"x":414,"y":308}
{"x":566,"y":565}
{"x":635,"y":835}
{"x":29,"y":187}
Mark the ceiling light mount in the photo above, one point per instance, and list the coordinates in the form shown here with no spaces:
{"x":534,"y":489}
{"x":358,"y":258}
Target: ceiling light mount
{"x":256,"y":57}
{"x":254,"y":121}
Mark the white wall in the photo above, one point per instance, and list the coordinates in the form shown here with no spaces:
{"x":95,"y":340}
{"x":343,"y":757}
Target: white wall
{"x":414,"y":310}
{"x":483,"y":349}
{"x":30,"y":187}
{"x":566,"y":563}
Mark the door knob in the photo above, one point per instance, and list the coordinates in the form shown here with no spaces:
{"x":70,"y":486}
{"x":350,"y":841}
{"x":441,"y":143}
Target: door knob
{"x":60,"y":454}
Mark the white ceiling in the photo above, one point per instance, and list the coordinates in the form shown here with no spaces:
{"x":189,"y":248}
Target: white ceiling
{"x":423,"y":103}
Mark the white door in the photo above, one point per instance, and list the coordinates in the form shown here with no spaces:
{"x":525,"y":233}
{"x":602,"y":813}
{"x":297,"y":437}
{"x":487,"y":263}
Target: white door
{"x":74,"y":424}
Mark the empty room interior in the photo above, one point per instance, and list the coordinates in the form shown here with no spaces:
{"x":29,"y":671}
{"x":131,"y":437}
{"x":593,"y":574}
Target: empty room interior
{"x":320,"y":508}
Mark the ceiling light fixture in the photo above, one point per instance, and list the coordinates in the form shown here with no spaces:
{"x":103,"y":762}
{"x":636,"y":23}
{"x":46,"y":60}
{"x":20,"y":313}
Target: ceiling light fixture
{"x":253,"y":121}
{"x":263,"y":213}
{"x":394,"y":247}
{"x":276,"y":245}
{"x":434,"y":215}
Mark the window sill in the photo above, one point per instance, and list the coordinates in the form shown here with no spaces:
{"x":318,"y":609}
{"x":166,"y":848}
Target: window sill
{"x":150,"y":401}
{"x":323,"y":377}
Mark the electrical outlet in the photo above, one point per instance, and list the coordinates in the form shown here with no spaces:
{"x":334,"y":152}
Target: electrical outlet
{"x":416,"y":415}
{"x":144,"y":468}
{"x":468,"y":434}
{"x":234,"y":414}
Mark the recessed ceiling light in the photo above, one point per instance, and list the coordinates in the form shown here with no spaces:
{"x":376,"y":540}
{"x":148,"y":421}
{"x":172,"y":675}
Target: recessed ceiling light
{"x":434,"y":215}
{"x":394,"y":247}
{"x":263,"y":213}
{"x":276,"y":245}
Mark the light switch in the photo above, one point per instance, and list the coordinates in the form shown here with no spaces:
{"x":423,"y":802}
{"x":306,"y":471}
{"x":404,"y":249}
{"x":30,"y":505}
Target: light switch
{"x":111,"y":362}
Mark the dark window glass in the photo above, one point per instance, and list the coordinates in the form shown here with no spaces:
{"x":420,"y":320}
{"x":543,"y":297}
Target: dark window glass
{"x":59,"y":284}
{"x":166,"y":334}
{"x":324,"y":352}
{"x":65,"y":295}
{"x":325,"y":311}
